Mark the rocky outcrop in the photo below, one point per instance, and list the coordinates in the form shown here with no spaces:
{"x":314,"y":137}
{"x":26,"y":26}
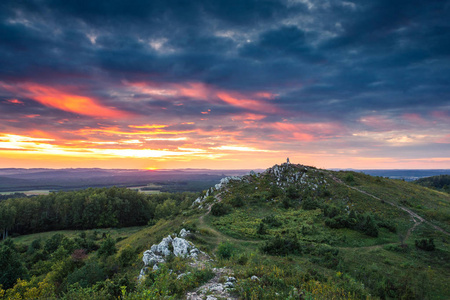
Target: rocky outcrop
{"x":214,"y":289}
{"x":177,"y":246}
{"x":225,"y":181}
{"x":287,"y":174}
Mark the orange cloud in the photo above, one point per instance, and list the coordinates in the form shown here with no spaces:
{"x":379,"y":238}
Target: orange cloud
{"x":149,"y":126}
{"x":65,"y":100}
{"x":239,"y":100}
{"x":248,"y":117}
{"x":256,"y":101}
{"x":14,"y":101}
{"x":116,"y":131}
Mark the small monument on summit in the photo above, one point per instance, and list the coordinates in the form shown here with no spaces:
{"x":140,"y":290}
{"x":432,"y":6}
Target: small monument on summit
{"x":288,"y":161}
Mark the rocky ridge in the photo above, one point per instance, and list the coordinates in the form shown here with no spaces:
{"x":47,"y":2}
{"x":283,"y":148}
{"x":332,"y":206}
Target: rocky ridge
{"x":283,"y":175}
{"x":287,"y":174}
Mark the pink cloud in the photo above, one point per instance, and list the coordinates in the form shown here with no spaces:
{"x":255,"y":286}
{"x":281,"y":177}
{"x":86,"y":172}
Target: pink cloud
{"x":379,"y":123}
{"x":14,"y":101}
{"x":65,"y":99}
{"x":307,"y":131}
{"x":415,"y":119}
{"x":256,"y":101}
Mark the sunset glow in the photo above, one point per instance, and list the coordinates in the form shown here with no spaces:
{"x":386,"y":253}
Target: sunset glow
{"x":204,"y":87}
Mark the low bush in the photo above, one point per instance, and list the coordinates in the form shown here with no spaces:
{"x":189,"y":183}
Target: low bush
{"x":271,"y":221}
{"x":425,"y":244}
{"x":237,"y":201}
{"x":225,"y":250}
{"x":310,"y":204}
{"x":219,"y":209}
{"x":282,"y":246}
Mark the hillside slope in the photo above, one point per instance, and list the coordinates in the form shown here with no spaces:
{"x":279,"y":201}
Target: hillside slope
{"x":290,"y":232}
{"x":440,"y":182}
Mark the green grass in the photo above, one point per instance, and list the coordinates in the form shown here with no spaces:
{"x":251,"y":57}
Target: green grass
{"x":331,"y":263}
{"x":114,"y":232}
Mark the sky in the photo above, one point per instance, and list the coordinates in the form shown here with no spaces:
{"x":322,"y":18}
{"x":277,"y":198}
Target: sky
{"x":224,"y":84}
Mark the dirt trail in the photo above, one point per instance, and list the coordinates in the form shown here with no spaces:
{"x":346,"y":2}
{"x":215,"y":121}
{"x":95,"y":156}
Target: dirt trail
{"x":213,"y":289}
{"x":218,"y":234}
{"x":415,"y":217}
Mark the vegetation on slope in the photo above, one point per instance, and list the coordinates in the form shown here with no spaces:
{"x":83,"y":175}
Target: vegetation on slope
{"x":304,"y":233}
{"x":440,"y":182}
{"x":87,"y":209}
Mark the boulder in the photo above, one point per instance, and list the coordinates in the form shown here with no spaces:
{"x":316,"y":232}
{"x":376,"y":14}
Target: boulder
{"x":181,"y":247}
{"x":150,"y":258}
{"x":184,"y":233}
{"x":163,"y":247}
{"x":158,"y":252}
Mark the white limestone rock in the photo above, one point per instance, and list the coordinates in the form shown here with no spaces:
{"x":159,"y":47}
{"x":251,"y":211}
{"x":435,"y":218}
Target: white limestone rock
{"x":182,"y":275}
{"x":150,"y":258}
{"x":184,"y":233}
{"x":181,"y":247}
{"x":163,"y":247}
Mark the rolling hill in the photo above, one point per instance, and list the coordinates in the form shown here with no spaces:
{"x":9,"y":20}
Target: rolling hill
{"x":290,"y":232}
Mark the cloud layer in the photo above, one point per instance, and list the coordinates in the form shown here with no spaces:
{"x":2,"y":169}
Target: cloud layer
{"x":225,"y":84}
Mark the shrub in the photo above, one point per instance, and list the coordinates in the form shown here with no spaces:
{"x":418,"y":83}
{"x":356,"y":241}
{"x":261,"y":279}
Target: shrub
{"x":107,"y":247}
{"x":396,"y":248}
{"x":271,"y":221}
{"x":349,"y":178}
{"x":310,"y":204}
{"x":225,"y":250}
{"x":242,"y":259}
{"x":425,"y":244}
{"x":261,"y":229}
{"x":287,"y":202}
{"x":292,"y":192}
{"x":389,"y":225}
{"x":127,"y":256}
{"x":87,"y":275}
{"x":331,"y":211}
{"x":53,"y":243}
{"x":367,"y":225}
{"x":237,"y":201}
{"x":219,"y":209}
{"x":340,"y":221}
{"x":282,"y":246}
{"x":36,"y":244}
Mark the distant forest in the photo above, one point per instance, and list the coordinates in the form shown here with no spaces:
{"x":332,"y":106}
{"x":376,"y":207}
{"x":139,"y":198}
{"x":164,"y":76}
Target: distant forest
{"x":87,"y":209}
{"x":440,"y":182}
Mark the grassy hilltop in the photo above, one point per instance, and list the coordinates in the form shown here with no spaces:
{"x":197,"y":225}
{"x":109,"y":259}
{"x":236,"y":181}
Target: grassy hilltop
{"x":305,"y":233}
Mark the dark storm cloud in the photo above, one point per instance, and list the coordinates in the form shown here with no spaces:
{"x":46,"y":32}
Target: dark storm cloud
{"x":331,"y":60}
{"x":282,"y":43}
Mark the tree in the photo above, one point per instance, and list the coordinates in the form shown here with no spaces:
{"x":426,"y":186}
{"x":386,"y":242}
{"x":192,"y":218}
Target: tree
{"x":127,"y":256}
{"x":11,"y":266}
{"x":107,"y":247}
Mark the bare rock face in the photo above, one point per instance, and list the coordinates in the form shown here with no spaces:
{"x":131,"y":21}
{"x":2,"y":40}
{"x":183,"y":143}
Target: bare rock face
{"x":150,"y":258}
{"x":158,"y":252}
{"x":184,"y":233}
{"x":181,"y":247}
{"x":226,"y":180}
{"x":163,"y":247}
